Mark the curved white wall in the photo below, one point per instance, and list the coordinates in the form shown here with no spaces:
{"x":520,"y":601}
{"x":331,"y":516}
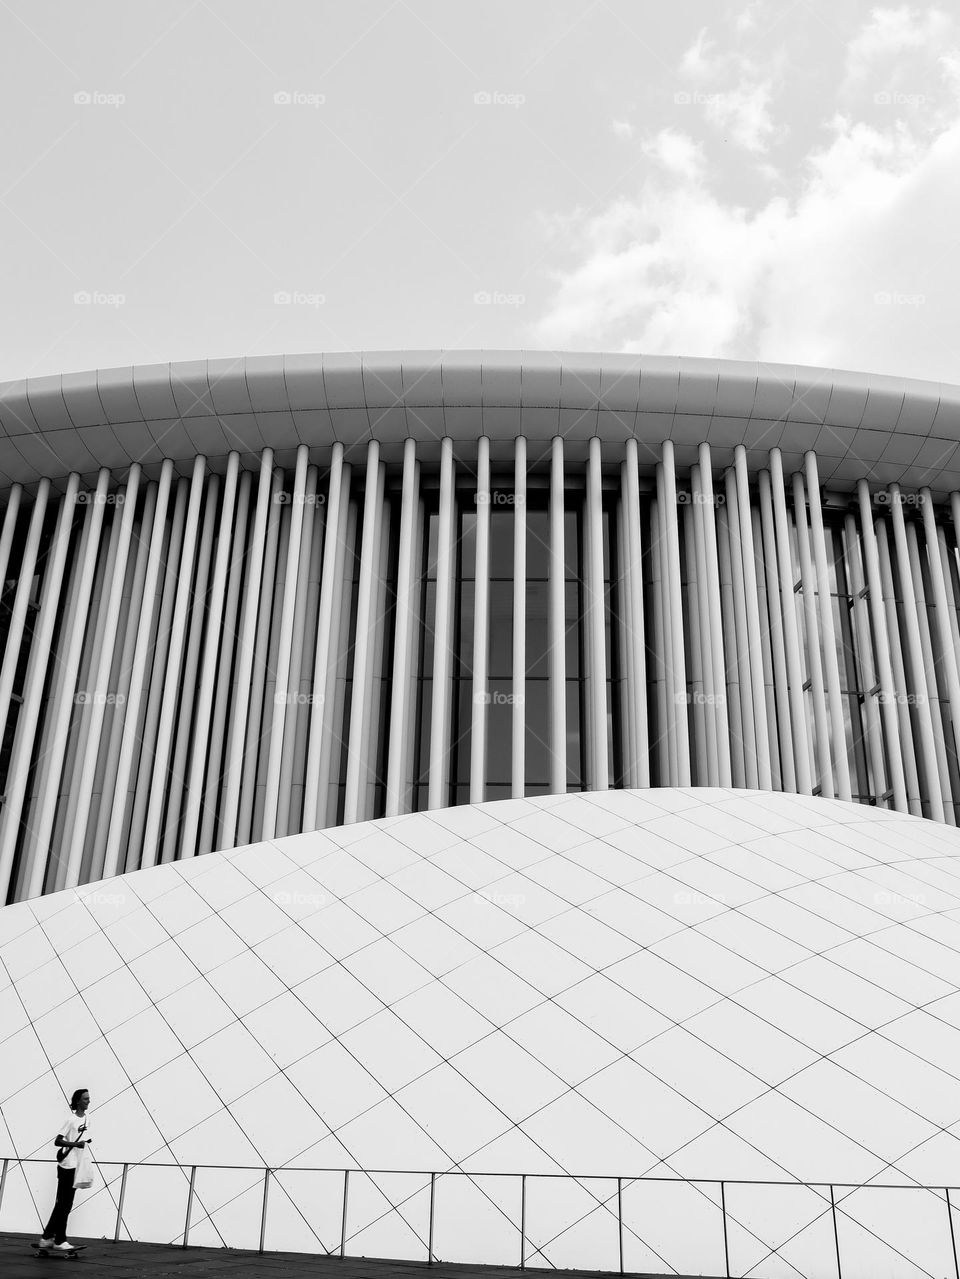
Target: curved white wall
{"x":689,"y":983}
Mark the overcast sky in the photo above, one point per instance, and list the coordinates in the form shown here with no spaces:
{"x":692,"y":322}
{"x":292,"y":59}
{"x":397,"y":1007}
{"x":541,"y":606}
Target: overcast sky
{"x":197,"y":178}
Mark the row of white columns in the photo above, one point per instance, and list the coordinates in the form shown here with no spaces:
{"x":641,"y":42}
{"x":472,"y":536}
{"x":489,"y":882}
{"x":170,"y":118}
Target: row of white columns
{"x":222,"y":661}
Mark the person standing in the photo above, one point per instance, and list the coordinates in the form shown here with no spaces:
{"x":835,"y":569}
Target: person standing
{"x":71,"y":1142}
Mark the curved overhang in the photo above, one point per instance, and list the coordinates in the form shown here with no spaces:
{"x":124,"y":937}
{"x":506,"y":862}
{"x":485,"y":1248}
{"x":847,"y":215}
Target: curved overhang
{"x":861,"y":425}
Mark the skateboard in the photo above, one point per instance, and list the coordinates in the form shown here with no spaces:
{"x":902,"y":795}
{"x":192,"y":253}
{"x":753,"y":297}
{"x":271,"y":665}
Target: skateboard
{"x":72,"y":1253}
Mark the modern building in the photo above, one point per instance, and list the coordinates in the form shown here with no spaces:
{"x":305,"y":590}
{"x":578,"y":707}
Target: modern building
{"x":512,"y":699}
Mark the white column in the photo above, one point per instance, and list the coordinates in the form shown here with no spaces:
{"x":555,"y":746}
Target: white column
{"x":748,"y":711}
{"x":240,"y":693}
{"x":481,"y":628}
{"x":314,"y":802}
{"x":928,"y":752}
{"x":766,"y":653}
{"x":701,"y":711}
{"x":831,"y":664}
{"x":32,"y":707}
{"x":281,"y":691}
{"x":712,"y":588}
{"x":661,"y":743}
{"x":519,"y":682}
{"x":638,"y":689}
{"x":777,"y":645}
{"x":399,"y":763}
{"x":203,"y":706}
{"x":811,"y":621}
{"x":593,"y":577}
{"x":802,"y":753}
{"x":628,"y":672}
{"x":100,"y":682}
{"x":293,"y":753}
{"x":706,"y":643}
{"x":214,"y":800}
{"x":21,"y":601}
{"x":64,"y":706}
{"x":676,"y":656}
{"x":942,"y":618}
{"x":557,"y":667}
{"x":751,"y":594}
{"x":184,"y":599}
{"x":864,"y":653}
{"x":905,"y":730}
{"x":358,"y":764}
{"x":133,"y":816}
{"x":10,"y":514}
{"x":330,"y":685}
{"x":930,"y":671}
{"x":732,"y":685}
{"x":439,"y":774}
{"x":171,"y":848}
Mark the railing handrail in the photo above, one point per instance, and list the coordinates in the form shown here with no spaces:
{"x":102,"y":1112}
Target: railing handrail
{"x":273,"y":1169}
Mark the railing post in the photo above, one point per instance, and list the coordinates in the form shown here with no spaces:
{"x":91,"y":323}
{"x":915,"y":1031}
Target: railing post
{"x":186,"y":1223}
{"x":953,"y":1237}
{"x":523,"y":1219}
{"x":620,"y":1218}
{"x":263,"y":1211}
{"x":3,"y":1179}
{"x":433,"y":1193}
{"x":343,"y":1224}
{"x":123,"y":1191}
{"x":836,"y":1237}
{"x":726,"y":1246}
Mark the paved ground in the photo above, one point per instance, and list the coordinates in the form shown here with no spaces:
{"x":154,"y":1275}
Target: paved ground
{"x":153,"y":1261}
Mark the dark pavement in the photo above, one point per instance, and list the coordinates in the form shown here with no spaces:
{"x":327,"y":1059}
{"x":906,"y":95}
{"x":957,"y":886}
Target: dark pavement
{"x":154,"y":1260}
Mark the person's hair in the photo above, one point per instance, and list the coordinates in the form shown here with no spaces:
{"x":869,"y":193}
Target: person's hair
{"x":76,"y":1097}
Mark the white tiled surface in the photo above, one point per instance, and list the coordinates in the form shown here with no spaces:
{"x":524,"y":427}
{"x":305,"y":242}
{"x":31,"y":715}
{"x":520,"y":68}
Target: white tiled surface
{"x":625,"y":984}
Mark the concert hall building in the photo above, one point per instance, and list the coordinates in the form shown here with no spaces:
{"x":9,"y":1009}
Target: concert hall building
{"x":312,"y":617}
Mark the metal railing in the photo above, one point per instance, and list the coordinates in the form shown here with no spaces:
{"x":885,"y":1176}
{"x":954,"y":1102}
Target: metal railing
{"x":844,"y":1258}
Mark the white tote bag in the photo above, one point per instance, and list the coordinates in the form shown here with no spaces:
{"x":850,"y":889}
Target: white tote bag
{"x":83,"y":1175}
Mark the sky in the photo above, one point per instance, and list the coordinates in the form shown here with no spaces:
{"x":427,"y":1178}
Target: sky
{"x":774,"y":180}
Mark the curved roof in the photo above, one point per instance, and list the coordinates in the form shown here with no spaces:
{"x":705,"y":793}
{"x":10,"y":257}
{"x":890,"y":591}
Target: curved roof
{"x":882,"y":428}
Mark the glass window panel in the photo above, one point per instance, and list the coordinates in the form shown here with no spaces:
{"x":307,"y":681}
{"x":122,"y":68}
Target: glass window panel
{"x":501,"y":630}
{"x":499,"y":732}
{"x":538,"y":544}
{"x":571,"y":544}
{"x":536,"y":735}
{"x":468,"y":543}
{"x":537,"y":629}
{"x":501,"y":542}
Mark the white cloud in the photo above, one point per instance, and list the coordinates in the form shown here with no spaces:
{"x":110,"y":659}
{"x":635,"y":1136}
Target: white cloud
{"x":889,"y":34}
{"x":745,"y":114}
{"x":697,"y":60}
{"x":852,"y":265}
{"x":622,"y":128}
{"x":857,"y":270}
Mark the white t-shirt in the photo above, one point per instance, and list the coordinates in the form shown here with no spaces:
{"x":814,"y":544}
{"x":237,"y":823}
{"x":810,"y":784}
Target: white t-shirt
{"x":74,"y":1128}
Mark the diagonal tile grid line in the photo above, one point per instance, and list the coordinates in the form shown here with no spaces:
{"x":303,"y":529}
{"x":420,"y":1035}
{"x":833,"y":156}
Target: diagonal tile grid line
{"x":491,"y":881}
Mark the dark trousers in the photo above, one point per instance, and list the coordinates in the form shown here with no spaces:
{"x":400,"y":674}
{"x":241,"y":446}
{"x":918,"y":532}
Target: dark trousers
{"x":57,"y":1225}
